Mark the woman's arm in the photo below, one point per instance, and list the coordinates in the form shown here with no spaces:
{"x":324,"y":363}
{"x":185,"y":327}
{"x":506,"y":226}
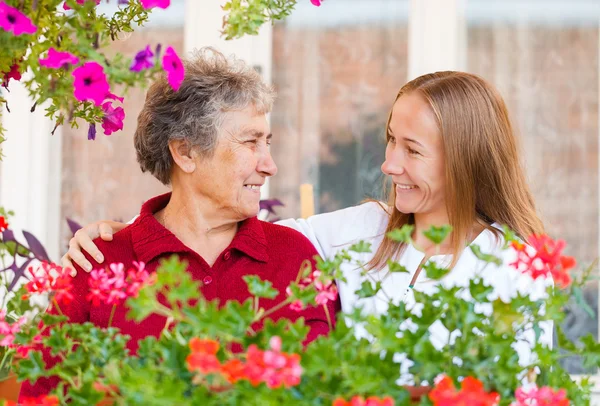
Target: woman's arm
{"x":327,"y":232}
{"x":330,"y":231}
{"x":83,"y":241}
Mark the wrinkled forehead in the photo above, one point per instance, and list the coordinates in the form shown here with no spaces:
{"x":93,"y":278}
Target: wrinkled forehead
{"x":249,"y":121}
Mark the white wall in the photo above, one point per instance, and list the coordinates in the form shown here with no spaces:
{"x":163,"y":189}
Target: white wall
{"x":30,"y":172}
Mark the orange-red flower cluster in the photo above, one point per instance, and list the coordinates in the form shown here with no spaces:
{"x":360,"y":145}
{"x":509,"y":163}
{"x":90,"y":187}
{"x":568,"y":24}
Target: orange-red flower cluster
{"x":472,"y":393}
{"x":544,"y":257}
{"x":44,"y":400}
{"x":272,"y":367}
{"x":360,"y":401}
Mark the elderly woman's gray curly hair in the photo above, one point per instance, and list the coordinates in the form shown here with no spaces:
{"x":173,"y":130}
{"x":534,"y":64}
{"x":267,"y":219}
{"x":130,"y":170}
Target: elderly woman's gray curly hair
{"x":213,"y":85}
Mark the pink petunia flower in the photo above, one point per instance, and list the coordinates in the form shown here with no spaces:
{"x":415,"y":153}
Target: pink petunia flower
{"x":174,"y":68}
{"x":114,"y":97}
{"x":113,"y":118}
{"x":316,"y":2}
{"x":90,"y":83}
{"x":155,"y":3}
{"x":80,"y":2}
{"x":57,"y":59}
{"x":12,"y":20}
{"x":143,"y":60}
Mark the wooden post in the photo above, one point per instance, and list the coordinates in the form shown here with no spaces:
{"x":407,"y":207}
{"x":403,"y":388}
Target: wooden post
{"x":307,"y":200}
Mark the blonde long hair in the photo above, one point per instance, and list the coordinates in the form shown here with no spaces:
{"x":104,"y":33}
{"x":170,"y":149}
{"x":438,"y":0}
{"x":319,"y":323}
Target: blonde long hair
{"x":485,"y":182}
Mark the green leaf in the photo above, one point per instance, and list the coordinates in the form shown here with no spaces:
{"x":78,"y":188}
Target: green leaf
{"x":479,"y":291}
{"x":394,"y":267}
{"x":433,"y":271}
{"x":509,"y":236}
{"x":402,"y":234}
{"x":259,"y":288}
{"x":367,"y":289}
{"x":437,"y":234}
{"x":360,"y":247}
{"x":580,"y":300}
{"x":489,"y":258}
{"x":32,"y":368}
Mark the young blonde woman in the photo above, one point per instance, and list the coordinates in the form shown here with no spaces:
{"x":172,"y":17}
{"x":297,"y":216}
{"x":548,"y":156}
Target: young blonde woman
{"x":452,"y":157}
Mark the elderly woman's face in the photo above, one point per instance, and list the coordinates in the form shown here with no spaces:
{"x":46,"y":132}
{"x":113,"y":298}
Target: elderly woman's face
{"x":233,"y":176}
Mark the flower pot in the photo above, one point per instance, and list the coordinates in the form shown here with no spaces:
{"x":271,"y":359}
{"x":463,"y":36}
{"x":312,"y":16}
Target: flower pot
{"x":417,"y":392}
{"x":10,"y":388}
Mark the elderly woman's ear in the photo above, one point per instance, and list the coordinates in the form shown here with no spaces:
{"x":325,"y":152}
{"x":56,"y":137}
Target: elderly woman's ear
{"x":183,"y":155}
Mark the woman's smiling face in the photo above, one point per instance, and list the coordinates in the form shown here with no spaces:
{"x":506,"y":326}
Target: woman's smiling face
{"x":414,"y":156}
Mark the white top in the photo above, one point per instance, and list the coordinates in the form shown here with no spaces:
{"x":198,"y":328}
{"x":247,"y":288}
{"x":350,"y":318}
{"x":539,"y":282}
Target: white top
{"x":335,"y":231}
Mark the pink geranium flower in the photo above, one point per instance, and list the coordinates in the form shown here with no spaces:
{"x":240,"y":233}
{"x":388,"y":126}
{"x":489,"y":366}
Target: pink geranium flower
{"x":174,"y":68}
{"x":155,"y":3}
{"x":57,"y":59}
{"x":51,"y":278}
{"x":113,"y":118}
{"x":90,"y":83}
{"x":316,"y":2}
{"x":113,"y":285}
{"x":143,"y":60}
{"x":544,"y":396}
{"x":12,"y":20}
{"x":9,"y":331}
{"x":325,"y":287}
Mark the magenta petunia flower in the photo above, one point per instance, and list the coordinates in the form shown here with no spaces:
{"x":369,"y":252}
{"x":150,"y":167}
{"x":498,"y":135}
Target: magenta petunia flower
{"x":113,"y":118}
{"x":12,"y":20}
{"x":143,"y":60}
{"x":155,"y":3}
{"x":316,"y":2}
{"x":57,"y":59}
{"x":174,"y":68}
{"x":80,"y":2}
{"x":90,"y":83}
{"x":114,"y":97}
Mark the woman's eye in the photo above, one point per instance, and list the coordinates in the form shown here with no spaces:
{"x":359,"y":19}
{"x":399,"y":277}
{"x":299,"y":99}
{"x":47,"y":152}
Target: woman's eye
{"x":253,"y":141}
{"x":391,"y":140}
{"x":412,"y":151}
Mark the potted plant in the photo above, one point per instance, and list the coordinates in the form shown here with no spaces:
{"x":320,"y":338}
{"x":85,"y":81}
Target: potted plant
{"x":192,"y":362}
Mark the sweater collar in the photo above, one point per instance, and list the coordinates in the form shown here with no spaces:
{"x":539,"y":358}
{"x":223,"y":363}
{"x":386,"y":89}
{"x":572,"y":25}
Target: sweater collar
{"x":151,"y":239}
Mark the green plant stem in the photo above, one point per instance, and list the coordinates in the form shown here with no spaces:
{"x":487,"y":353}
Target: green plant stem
{"x":112,"y":314}
{"x":273,"y":310}
{"x":328,"y":317}
{"x":57,"y":307}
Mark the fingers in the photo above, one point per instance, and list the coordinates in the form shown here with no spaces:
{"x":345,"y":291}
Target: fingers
{"x":83,"y":242}
{"x":77,"y":256}
{"x":106,"y":232}
{"x":66,"y":263}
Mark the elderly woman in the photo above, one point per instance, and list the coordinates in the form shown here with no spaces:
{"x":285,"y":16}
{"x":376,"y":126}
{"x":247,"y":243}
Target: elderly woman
{"x":210,"y":142}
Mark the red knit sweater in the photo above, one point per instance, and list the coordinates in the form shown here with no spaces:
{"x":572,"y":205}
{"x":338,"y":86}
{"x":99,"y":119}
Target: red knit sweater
{"x":273,"y":252}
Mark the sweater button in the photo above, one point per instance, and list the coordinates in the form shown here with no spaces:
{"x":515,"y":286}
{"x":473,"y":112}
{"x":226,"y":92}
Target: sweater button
{"x":227,"y":255}
{"x":207,"y":280}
